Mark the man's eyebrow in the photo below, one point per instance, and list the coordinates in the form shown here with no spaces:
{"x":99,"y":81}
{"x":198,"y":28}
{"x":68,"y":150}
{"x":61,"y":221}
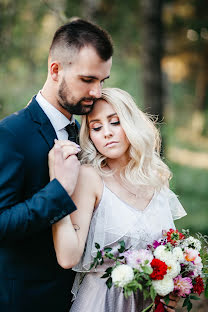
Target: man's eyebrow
{"x":94,"y":77}
{"x":109,"y":116}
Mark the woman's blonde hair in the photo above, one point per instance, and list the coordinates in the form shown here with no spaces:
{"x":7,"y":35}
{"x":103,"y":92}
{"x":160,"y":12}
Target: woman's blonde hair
{"x":145,"y":166}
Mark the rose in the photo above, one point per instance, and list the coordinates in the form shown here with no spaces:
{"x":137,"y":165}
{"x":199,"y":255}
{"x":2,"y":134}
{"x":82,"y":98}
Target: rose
{"x":122,"y":275}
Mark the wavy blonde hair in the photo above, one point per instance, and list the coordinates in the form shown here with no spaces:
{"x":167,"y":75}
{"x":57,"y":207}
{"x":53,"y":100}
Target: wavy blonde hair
{"x":145,"y":167}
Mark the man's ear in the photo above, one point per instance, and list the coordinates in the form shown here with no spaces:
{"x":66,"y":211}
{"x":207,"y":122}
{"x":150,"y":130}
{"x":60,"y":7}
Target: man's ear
{"x":55,"y":67}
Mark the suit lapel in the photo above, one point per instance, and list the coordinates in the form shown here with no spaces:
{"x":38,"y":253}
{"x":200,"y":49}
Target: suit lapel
{"x":45,"y":127}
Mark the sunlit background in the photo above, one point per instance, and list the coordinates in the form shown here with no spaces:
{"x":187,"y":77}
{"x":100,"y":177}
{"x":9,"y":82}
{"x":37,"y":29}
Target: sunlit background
{"x":161,"y":58}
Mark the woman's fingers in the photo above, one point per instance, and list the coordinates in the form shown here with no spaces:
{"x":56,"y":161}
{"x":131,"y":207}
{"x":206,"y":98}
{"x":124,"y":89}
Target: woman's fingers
{"x":69,"y":150}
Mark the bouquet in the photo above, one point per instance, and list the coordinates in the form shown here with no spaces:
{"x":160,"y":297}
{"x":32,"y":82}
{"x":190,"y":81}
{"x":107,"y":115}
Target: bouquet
{"x":177,"y":263}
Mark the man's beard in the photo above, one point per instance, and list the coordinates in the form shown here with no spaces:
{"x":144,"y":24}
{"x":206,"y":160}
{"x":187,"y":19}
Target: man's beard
{"x":74,"y":107}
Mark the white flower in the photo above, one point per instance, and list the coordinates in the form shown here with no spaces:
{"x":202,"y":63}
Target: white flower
{"x":163,"y":287}
{"x":136,"y":258}
{"x":174,"y":268}
{"x":191,"y":242}
{"x":122,"y":275}
{"x":198,"y":266}
{"x":162,"y":253}
{"x":178,"y":254}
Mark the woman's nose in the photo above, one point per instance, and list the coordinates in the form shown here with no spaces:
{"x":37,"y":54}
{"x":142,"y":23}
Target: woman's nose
{"x":107,"y":131}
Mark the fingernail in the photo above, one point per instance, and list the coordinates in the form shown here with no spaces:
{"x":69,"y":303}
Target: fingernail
{"x":162,"y":300}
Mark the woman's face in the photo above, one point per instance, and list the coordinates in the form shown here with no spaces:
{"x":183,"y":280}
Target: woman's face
{"x":106,"y":132}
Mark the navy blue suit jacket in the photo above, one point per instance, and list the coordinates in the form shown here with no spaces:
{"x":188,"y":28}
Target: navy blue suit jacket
{"x":30,"y":277}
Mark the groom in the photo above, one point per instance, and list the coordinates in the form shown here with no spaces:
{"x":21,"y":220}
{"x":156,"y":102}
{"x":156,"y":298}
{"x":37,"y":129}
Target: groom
{"x":30,"y":279}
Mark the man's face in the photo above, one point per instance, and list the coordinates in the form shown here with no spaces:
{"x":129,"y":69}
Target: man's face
{"x":81,"y":82}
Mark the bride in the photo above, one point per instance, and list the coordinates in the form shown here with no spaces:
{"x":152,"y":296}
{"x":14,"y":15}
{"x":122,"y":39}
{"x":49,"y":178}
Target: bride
{"x":122,"y":193}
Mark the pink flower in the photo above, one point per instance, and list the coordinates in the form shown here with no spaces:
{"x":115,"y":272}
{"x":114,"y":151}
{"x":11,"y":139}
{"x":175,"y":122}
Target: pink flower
{"x":137,"y":258}
{"x":190,"y":254}
{"x":182,"y":286}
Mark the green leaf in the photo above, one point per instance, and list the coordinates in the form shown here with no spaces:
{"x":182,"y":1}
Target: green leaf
{"x":186,"y":301}
{"x":99,"y":255}
{"x":166,"y":299}
{"x":152,"y":293}
{"x":109,"y":256}
{"x":105,"y":275}
{"x":107,"y":249}
{"x":147,"y":269}
{"x":109,"y":270}
{"x":206,"y":289}
{"x":97,"y":246}
{"x":189,"y":306}
{"x":109,"y":282}
{"x":122,"y":246}
{"x":194,"y":297}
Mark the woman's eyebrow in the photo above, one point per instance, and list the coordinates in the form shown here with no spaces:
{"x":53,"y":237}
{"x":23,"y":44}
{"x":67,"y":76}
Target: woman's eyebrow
{"x":109,"y":116}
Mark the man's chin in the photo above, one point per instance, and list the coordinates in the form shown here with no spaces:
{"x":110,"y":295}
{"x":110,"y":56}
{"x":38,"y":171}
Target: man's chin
{"x":86,"y":109}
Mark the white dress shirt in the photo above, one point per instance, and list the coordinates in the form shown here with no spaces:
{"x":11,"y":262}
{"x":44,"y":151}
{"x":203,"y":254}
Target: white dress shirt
{"x":57,"y":119}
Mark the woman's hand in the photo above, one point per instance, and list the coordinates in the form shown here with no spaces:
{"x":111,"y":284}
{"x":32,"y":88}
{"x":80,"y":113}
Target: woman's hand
{"x":68,"y":149}
{"x":172,"y":303}
{"x":64,"y":165}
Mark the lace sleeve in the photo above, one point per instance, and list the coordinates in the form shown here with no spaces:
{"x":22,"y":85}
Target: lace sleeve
{"x":176,"y":208}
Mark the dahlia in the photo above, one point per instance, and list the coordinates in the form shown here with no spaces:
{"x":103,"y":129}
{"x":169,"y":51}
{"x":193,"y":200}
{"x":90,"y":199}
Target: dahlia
{"x":198,"y":285}
{"x":182,"y":286}
{"x":159,"y":269}
{"x":174,"y":236}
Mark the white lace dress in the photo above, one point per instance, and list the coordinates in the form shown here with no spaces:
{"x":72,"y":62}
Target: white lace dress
{"x":113,"y":221}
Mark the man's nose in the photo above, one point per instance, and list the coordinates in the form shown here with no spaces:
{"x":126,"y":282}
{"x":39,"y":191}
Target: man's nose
{"x":96,"y":91}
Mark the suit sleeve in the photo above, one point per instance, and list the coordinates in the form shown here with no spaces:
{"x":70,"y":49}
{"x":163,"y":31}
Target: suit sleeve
{"x":21,"y":218}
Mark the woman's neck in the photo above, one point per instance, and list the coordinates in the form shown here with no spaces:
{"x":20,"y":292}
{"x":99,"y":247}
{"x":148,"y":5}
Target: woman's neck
{"x":117,"y":164}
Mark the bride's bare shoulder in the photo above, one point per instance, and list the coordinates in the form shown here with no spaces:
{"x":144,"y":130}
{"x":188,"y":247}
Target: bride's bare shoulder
{"x":90,"y":175}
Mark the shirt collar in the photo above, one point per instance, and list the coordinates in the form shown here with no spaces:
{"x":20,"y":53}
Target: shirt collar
{"x":57,"y":119}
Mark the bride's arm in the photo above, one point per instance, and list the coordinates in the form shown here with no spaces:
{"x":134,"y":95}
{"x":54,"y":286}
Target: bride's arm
{"x":70,"y":233}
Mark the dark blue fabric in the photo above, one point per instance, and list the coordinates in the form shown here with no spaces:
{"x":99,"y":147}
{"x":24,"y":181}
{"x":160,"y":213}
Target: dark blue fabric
{"x":30,"y":278}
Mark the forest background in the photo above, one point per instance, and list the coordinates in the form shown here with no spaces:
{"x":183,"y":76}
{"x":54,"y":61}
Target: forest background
{"x":161,"y":59}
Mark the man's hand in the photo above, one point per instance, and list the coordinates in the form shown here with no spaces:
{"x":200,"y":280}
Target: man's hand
{"x":64,"y":165}
{"x":172,"y":303}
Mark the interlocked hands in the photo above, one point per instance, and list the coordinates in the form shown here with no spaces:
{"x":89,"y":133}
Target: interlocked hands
{"x":64,"y":165}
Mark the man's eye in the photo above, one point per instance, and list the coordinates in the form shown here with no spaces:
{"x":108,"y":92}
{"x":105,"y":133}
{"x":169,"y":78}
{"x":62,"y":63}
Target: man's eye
{"x":87,"y":80}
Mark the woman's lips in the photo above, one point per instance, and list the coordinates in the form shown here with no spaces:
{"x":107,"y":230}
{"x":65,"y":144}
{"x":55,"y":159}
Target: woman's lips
{"x":112,"y":143}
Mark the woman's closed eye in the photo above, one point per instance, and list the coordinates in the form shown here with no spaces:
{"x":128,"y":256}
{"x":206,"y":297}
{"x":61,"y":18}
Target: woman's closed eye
{"x":96,"y":128}
{"x":115,"y":123}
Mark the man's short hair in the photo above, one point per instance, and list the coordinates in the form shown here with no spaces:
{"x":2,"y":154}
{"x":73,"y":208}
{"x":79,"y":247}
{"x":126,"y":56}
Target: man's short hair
{"x":81,"y":33}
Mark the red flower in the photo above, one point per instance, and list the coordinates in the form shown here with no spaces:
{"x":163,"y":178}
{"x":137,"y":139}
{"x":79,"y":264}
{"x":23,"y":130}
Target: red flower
{"x":159,"y":269}
{"x":173,"y":236}
{"x":159,"y":307}
{"x":198,"y":285}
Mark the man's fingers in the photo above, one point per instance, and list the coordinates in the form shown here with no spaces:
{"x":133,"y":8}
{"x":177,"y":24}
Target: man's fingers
{"x":169,"y":309}
{"x":174,"y":298}
{"x":171,"y":303}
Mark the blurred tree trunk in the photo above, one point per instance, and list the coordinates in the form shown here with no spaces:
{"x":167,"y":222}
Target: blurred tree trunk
{"x":89,"y":8}
{"x":152,"y":48}
{"x":199,"y":118}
